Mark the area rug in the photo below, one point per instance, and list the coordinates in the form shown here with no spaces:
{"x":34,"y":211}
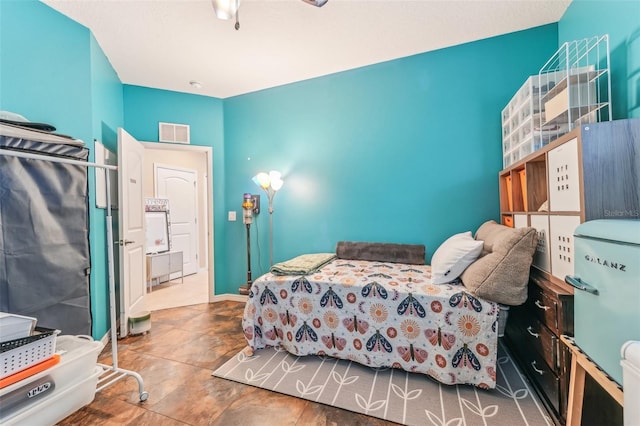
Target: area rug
{"x":391,"y":394}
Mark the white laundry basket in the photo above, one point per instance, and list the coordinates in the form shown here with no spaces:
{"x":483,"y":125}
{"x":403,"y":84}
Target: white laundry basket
{"x":631,"y":382}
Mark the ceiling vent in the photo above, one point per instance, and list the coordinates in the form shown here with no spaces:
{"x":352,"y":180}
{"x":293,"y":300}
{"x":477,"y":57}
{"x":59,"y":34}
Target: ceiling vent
{"x":174,"y":133}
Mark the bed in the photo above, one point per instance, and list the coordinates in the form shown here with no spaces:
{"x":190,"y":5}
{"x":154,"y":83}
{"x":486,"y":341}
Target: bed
{"x":380,"y":314}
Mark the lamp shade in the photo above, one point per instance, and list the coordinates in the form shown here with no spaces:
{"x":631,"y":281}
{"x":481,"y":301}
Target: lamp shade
{"x":276,"y":180}
{"x":276,"y":184}
{"x":225,"y":9}
{"x":269,"y":182}
{"x":262,"y":179}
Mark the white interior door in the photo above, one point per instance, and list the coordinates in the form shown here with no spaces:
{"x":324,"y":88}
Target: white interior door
{"x":180,"y":186}
{"x":131,"y":228}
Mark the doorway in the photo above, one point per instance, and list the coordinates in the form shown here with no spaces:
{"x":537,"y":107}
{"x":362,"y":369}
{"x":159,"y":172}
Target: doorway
{"x":183,"y":174}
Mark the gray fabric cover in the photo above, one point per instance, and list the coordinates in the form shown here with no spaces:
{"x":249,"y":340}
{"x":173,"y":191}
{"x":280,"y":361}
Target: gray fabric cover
{"x":413,"y":254}
{"x":44,"y":236}
{"x":501,"y":273}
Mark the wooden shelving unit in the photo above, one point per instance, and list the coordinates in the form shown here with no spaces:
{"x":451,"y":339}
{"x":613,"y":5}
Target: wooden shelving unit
{"x":589,"y":173}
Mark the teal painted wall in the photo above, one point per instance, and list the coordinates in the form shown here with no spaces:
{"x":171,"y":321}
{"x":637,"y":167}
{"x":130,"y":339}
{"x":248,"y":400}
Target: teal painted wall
{"x":145,"y":107}
{"x":405,"y":151}
{"x":45,"y":67}
{"x":106,"y":97}
{"x":621,"y":20}
{"x":53,"y":71}
{"x":107,"y":115}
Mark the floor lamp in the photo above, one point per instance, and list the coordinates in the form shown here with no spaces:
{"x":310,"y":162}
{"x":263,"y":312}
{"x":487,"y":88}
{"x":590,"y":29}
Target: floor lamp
{"x":247,"y":218}
{"x":271,"y":183}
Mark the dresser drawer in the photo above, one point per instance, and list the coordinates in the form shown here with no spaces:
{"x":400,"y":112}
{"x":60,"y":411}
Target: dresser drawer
{"x":534,"y":365}
{"x":539,"y":373}
{"x":539,"y":338}
{"x":158,"y":265}
{"x":551,"y":304}
{"x":175,"y":261}
{"x":543,"y":305}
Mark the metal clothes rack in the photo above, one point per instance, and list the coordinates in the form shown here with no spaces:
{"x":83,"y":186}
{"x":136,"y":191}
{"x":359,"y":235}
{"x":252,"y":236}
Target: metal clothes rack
{"x":112,"y":373}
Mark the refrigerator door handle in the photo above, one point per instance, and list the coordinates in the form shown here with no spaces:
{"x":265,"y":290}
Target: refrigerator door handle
{"x":580,"y":285}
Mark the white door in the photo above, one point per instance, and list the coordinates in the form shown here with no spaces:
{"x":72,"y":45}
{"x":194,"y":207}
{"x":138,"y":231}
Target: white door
{"x":180,"y":186}
{"x":131,"y":225}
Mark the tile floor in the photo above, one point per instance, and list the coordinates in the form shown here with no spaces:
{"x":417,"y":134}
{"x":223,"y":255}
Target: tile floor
{"x":176,"y":359}
{"x":172,"y":294}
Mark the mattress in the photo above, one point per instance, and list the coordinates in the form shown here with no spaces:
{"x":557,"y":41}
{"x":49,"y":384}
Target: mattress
{"x":378,"y":314}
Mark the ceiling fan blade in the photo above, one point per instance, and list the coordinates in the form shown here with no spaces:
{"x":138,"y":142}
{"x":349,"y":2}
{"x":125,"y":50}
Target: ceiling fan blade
{"x":318,"y":3}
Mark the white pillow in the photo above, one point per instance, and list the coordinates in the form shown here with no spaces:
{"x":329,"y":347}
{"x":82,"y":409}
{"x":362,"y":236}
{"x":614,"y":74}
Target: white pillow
{"x":453,"y":256}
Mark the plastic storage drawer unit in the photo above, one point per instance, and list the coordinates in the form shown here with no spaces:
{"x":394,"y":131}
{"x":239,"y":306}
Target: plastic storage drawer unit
{"x":631,"y":382}
{"x":60,"y":404}
{"x":78,"y":357}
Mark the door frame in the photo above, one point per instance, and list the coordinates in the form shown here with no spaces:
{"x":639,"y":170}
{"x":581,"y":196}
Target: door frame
{"x":209,"y":247}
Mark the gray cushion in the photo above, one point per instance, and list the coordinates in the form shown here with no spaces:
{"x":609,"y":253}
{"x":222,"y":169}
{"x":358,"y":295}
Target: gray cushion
{"x":501,"y":273}
{"x":413,"y":254}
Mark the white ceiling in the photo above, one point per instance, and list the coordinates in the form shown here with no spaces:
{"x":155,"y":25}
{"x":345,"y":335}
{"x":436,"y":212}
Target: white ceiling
{"x":167,"y":43}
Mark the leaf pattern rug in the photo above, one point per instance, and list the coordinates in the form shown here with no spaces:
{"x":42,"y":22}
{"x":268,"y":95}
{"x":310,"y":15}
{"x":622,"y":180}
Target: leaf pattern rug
{"x":391,"y":394}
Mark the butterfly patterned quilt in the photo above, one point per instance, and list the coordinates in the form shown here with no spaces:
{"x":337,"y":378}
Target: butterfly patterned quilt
{"x":378,"y":314}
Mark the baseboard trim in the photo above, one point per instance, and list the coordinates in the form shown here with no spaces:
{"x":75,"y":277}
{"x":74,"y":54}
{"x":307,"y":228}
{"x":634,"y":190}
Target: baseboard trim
{"x":228,"y":297}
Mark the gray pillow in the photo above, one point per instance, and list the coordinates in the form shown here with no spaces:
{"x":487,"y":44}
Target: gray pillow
{"x":413,"y":254}
{"x":501,"y":273}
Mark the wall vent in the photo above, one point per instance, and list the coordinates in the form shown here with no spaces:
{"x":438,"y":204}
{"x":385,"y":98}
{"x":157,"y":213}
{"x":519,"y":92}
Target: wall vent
{"x":174,"y":133}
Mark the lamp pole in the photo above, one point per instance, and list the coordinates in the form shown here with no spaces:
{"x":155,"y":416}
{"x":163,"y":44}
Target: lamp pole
{"x":270,"y":183}
{"x":270,"y":194}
